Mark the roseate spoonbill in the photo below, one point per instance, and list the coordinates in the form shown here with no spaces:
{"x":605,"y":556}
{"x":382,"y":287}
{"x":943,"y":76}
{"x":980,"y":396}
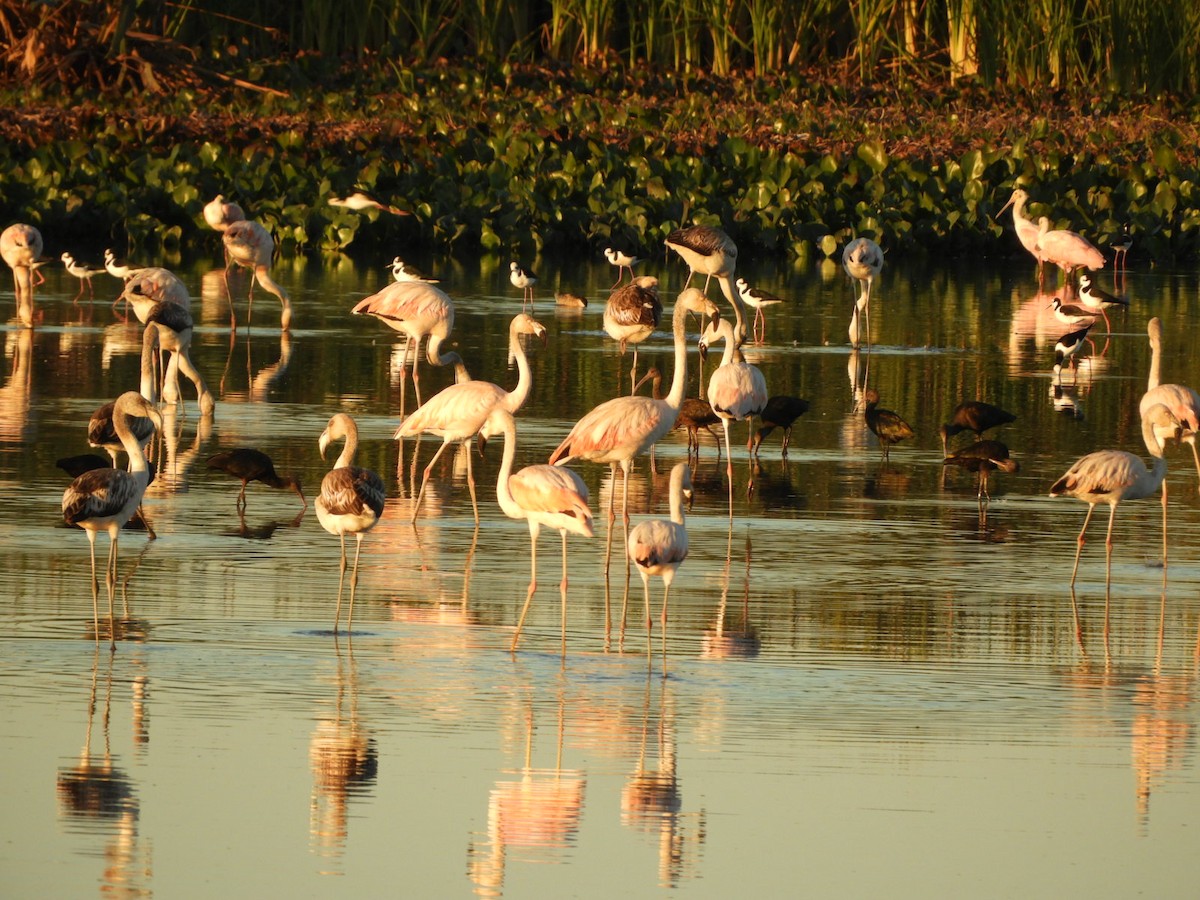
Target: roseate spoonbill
{"x":1066,"y":249}
{"x":983,"y":457}
{"x":622,"y":260}
{"x":220,"y":213}
{"x":862,"y":259}
{"x":541,"y":495}
{"x":83,"y":272}
{"x":358,"y":201}
{"x":350,"y":502}
{"x":459,"y":412}
{"x":757,"y":299}
{"x":736,"y":389}
{"x":251,"y":246}
{"x":524,"y":280}
{"x":631,"y":315}
{"x":619,"y":429}
{"x":1098,"y":300}
{"x":402,"y":271}
{"x":21,"y":249}
{"x":712,"y":253}
{"x":659,"y":546}
{"x":1182,"y":402}
{"x":1027,"y":230}
{"x":1110,"y":476}
{"x":781,"y":411}
{"x":105,"y":499}
{"x":417,"y":310}
{"x":976,"y":416}
{"x":885,"y":424}
{"x":249,"y":464}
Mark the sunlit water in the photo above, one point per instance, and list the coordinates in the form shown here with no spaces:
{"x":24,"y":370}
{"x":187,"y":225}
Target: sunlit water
{"x":871,"y":689}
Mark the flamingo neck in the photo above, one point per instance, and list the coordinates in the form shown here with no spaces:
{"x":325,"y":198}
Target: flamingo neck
{"x":346,"y":457}
{"x":677,"y":514}
{"x":674,"y":397}
{"x":519,"y":394}
{"x":120,"y":419}
{"x":503,"y":494}
{"x":739,"y":307}
{"x":1155,"y":365}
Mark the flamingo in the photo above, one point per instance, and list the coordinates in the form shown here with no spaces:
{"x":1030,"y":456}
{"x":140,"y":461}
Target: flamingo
{"x":1027,"y":230}
{"x":350,"y":502}
{"x":524,"y":279}
{"x":1094,"y":298}
{"x":619,"y":429}
{"x":781,"y":411}
{"x":1110,"y":476}
{"x":1180,"y":400}
{"x":757,"y":299}
{"x":86,"y":462}
{"x":358,"y":201}
{"x":83,"y":272}
{"x":417,"y":310}
{"x":983,"y":457}
{"x":631,"y":315}
{"x":402,"y":271}
{"x":736,"y":389}
{"x":659,"y":546}
{"x":622,"y":260}
{"x":461,"y":411}
{"x":248,"y":464}
{"x":250,"y":245}
{"x":862,"y":259}
{"x":169,"y":328}
{"x":219,"y":213}
{"x":694,"y":414}
{"x":21,"y":249}
{"x":712,"y":253}
{"x":541,"y":495}
{"x":105,"y":499}
{"x":976,"y":416}
{"x":885,"y":424}
{"x":102,"y":432}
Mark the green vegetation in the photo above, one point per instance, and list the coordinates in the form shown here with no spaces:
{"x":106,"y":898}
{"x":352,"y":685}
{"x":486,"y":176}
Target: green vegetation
{"x":581,"y":122}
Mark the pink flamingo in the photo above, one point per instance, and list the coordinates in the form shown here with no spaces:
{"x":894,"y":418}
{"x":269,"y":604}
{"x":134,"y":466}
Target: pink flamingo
{"x":619,"y":429}
{"x":219,"y":213}
{"x":863,"y":260}
{"x":105,"y":499}
{"x":350,"y":502}
{"x":1182,"y":402}
{"x":417,"y":310}
{"x":461,"y":411}
{"x":659,"y":546}
{"x":631,"y":315}
{"x":250,"y":245}
{"x":736,"y":389}
{"x":712,"y":253}
{"x":541,"y":495}
{"x":21,"y":249}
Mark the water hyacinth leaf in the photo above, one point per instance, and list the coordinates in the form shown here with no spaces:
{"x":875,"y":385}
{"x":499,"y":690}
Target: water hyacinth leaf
{"x":874,"y":155}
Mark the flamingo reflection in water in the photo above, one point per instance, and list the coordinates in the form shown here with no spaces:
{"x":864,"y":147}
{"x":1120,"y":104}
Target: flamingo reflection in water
{"x":723,"y":641}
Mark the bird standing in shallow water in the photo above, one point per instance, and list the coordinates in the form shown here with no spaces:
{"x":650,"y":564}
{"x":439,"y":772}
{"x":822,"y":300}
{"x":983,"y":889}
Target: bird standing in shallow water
{"x":781,"y":411}
{"x":83,"y":272}
{"x":622,"y":261}
{"x":1095,"y":299}
{"x":1182,"y":402}
{"x":736,"y":389}
{"x":402,"y":271}
{"x":1072,"y":314}
{"x":1027,"y":230}
{"x":219,"y":213}
{"x":983,"y":457}
{"x":1122,"y":246}
{"x":524,"y":280}
{"x":712,"y":253}
{"x":631,"y":315}
{"x":757,"y":299}
{"x":249,"y":464}
{"x":21,"y":249}
{"x":659,"y":546}
{"x":351,"y":501}
{"x":863,"y":260}
{"x":1067,"y":349}
{"x":885,"y":424}
{"x":976,"y":416}
{"x":250,"y":245}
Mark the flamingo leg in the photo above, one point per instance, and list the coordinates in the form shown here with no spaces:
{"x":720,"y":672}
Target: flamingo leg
{"x":1164,"y":518}
{"x":229,"y":295}
{"x":612,"y":517}
{"x":1080,"y":541}
{"x":563,"y":592}
{"x":112,"y":588}
{"x":666,"y":594}
{"x":471,"y":481}
{"x":632,"y":372}
{"x":353,"y":580}
{"x":95,"y":585}
{"x":649,"y":621}
{"x":337,"y":613}
{"x":529,"y":592}
{"x":1108,"y":542}
{"x":728,"y":462}
{"x":425,"y":481}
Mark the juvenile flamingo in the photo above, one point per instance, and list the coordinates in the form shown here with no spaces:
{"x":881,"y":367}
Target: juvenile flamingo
{"x":541,"y":495}
{"x":21,"y":249}
{"x":250,"y":245}
{"x":631,"y":315}
{"x":105,"y":499}
{"x":249,"y":464}
{"x":350,"y":502}
{"x":659,"y":546}
{"x":460,"y":411}
{"x":863,"y":260}
{"x":712,"y":253}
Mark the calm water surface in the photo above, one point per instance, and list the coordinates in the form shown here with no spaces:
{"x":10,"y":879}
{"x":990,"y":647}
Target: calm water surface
{"x":870,"y":691}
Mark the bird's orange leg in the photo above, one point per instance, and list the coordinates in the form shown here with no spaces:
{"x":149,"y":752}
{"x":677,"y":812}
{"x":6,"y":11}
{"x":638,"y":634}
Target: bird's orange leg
{"x":471,"y":480}
{"x":354,"y":580}
{"x":666,"y":594}
{"x":425,"y":481}
{"x":1108,"y":543}
{"x":512,"y":647}
{"x":1079,"y":542}
{"x":337,"y":613}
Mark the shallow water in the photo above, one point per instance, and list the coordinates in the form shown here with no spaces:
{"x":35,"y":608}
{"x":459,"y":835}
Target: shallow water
{"x":871,"y":688}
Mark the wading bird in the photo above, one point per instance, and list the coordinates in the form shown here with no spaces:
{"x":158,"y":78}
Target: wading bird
{"x":523,"y":280}
{"x":1066,"y":249}
{"x":1027,"y":230}
{"x":83,"y":272}
{"x":1072,"y":314}
{"x":21,"y":249}
{"x":694,"y":414}
{"x":1095,"y":299}
{"x":885,"y":424}
{"x":1067,"y":349}
{"x":251,"y":246}
{"x":248,"y":464}
{"x":736,"y":389}
{"x":863,"y":260}
{"x":461,"y":411}
{"x":220,"y":213}
{"x":1182,"y":402}
{"x":976,"y":416}
{"x":631,"y":315}
{"x":622,"y":261}
{"x":1121,"y":247}
{"x":659,"y":546}
{"x":86,"y":462}
{"x":542,"y":495}
{"x":169,"y":328}
{"x":102,"y":432}
{"x":781,"y":411}
{"x":402,"y":271}
{"x":712,"y":253}
{"x":358,"y":201}
{"x":105,"y":499}
{"x":350,"y":502}
{"x":757,"y":299}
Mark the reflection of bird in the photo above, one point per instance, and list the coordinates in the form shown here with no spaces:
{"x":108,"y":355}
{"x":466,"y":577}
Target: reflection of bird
{"x":249,"y":464}
{"x":83,"y":272}
{"x":417,"y":310}
{"x":21,"y":249}
{"x":712,"y":253}
{"x":219,"y":213}
{"x":1027,"y":230}
{"x":461,"y":411}
{"x":350,"y":502}
{"x":105,"y":499}
{"x":757,"y":298}
{"x":358,"y":201}
{"x":1182,"y":402}
{"x":622,"y":260}
{"x":1094,"y":298}
{"x":631,"y":315}
{"x":983,"y":457}
{"x":736,"y":389}
{"x":251,"y":246}
{"x":862,"y":259}
{"x":781,"y":411}
{"x":885,"y":424}
{"x":524,"y":279}
{"x":658,"y":546}
{"x":541,"y":495}
{"x":1110,"y":476}
{"x":976,"y":416}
